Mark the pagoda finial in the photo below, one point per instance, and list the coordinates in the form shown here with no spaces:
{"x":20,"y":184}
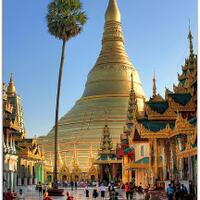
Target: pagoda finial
{"x":113,"y":13}
{"x":190,"y":37}
{"x":154,"y":85}
{"x":11,"y":87}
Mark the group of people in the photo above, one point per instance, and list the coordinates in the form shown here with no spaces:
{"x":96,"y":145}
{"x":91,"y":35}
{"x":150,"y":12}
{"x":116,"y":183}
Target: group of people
{"x":74,"y":184}
{"x":101,"y":190}
{"x":180,"y":192}
{"x":12,"y":195}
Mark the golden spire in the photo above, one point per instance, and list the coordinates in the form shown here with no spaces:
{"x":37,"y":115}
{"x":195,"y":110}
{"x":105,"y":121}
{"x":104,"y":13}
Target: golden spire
{"x":154,"y":85}
{"x":113,"y":13}
{"x":11,"y":87}
{"x":60,"y":158}
{"x":190,"y":37}
{"x":132,"y":106}
{"x":75,"y":157}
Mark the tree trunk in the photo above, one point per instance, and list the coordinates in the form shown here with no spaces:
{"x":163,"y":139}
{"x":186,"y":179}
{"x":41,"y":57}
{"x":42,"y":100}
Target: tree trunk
{"x":56,"y":116}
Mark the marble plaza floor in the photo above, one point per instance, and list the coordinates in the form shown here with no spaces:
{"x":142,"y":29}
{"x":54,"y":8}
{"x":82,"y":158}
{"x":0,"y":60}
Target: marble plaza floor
{"x":32,"y":194}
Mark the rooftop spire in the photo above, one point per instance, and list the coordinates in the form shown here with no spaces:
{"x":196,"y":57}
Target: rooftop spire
{"x":190,"y":37}
{"x":154,"y":85}
{"x":11,"y":87}
{"x":113,"y":13}
{"x":132,"y":106}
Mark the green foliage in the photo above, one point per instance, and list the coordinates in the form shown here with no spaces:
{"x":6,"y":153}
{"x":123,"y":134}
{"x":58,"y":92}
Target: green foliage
{"x":65,"y":18}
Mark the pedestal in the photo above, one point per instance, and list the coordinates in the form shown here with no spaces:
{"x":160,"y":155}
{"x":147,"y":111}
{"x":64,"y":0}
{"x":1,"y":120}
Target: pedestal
{"x":35,"y":181}
{"x":19,"y":181}
{"x":55,"y":192}
{"x":25,"y":181}
{"x":30,"y":182}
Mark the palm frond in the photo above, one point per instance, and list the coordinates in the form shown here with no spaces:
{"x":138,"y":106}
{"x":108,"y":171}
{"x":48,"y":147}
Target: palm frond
{"x":65,"y":18}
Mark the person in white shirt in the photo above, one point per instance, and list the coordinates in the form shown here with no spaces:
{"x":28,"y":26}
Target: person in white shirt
{"x":102,"y":190}
{"x":20,"y":196}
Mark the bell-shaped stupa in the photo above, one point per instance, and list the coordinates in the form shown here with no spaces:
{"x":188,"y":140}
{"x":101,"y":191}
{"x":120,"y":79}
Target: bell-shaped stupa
{"x":105,"y":98}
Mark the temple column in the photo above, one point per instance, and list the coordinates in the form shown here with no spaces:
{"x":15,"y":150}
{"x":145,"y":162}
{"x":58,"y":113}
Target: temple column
{"x":14,"y":180}
{"x":151,"y":182}
{"x":11,"y":181}
{"x":164,"y":166}
{"x":125,"y":172}
{"x":156,"y":159}
{"x":19,"y":180}
{"x":189,"y":168}
{"x":26,"y":175}
{"x":34,"y":173}
{"x":180,"y":169}
{"x":31,"y":173}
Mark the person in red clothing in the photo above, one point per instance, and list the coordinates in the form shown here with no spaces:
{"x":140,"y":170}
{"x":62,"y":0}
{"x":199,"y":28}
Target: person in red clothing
{"x":46,"y":196}
{"x":127,"y":190}
{"x":9,"y":195}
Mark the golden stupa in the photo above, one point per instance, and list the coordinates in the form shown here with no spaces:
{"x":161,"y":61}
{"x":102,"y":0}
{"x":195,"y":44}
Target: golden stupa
{"x":105,"y":98}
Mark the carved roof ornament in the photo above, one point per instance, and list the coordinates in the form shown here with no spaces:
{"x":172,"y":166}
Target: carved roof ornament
{"x":132,"y":107}
{"x":154,"y":85}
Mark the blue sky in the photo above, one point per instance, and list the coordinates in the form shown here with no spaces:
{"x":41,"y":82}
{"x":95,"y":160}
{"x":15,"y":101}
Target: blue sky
{"x":155,"y":39}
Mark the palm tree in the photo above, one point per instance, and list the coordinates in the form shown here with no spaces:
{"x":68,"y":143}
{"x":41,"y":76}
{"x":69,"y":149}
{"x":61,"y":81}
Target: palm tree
{"x":65,"y":20}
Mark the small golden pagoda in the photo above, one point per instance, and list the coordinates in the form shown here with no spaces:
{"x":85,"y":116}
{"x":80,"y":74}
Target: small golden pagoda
{"x":23,"y":158}
{"x":109,"y":166}
{"x":76,"y":172}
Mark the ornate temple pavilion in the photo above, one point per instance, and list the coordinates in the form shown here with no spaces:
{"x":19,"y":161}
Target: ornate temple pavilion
{"x":169,"y":126}
{"x":23,"y":160}
{"x":106,"y":94}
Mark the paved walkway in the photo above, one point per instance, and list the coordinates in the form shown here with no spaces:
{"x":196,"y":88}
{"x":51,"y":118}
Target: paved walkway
{"x":32,"y":194}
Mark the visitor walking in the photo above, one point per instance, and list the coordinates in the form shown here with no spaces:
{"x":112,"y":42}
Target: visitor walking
{"x":126,"y":188}
{"x":191,"y":190}
{"x":183,"y":192}
{"x":87,"y":193}
{"x":72,"y":185}
{"x":76,"y":185}
{"x":102,"y":190}
{"x":95,"y":193}
{"x":177,"y":191}
{"x":170,"y":192}
{"x":20,"y":196}
{"x":40,"y":189}
{"x":131,"y":190}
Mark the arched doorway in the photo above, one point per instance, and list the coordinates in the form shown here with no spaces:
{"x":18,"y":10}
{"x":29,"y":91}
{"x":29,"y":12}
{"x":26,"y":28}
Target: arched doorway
{"x":49,"y":178}
{"x":93,"y":178}
{"x":76,"y":178}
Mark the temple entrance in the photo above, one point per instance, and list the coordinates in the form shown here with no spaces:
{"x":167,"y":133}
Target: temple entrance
{"x":49,"y":178}
{"x":93,"y":178}
{"x":76,"y":178}
{"x":64,"y":178}
{"x":106,"y":173}
{"x":133,"y":176}
{"x":119,"y":172}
